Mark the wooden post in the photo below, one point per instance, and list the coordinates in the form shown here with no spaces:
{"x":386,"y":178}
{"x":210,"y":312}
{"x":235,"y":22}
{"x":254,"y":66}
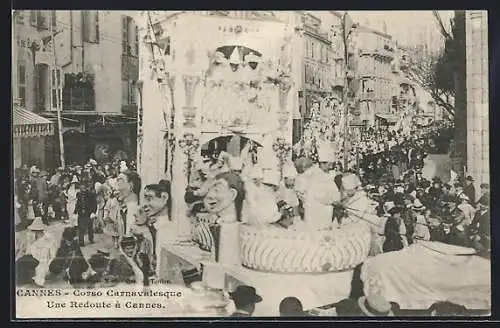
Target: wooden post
{"x":58,"y":108}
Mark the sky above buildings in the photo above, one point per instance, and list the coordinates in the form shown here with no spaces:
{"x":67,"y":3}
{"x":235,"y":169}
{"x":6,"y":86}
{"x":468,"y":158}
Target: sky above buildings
{"x":408,"y":27}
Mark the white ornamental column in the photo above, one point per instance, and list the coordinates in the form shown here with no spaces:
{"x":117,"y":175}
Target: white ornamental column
{"x":185,"y":82}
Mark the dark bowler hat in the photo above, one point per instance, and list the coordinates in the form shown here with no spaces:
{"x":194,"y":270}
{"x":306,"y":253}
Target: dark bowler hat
{"x":103,"y":252}
{"x":245,"y":294}
{"x":395,"y":210}
{"x":127,"y":241}
{"x":469,"y":178}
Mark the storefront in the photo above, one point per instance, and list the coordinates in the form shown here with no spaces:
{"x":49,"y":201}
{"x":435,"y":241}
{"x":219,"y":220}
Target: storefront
{"x":29,"y":133}
{"x":386,"y":120}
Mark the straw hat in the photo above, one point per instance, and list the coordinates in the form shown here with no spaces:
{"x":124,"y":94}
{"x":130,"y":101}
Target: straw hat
{"x":389,"y":206}
{"x":37,"y":225}
{"x":417,"y":205}
{"x":326,"y":151}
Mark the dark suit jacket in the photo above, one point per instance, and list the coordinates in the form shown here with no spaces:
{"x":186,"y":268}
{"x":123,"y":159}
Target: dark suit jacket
{"x":86,"y":203}
{"x":470,"y":192}
{"x":121,"y":269}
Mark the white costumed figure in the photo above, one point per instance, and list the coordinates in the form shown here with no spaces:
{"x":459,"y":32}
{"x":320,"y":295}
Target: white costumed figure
{"x":320,"y":192}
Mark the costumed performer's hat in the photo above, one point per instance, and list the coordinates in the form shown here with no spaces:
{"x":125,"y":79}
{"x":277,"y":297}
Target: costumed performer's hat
{"x":375,"y":306}
{"x":235,"y":163}
{"x":326,"y":151}
{"x":289,"y":171}
{"x":351,"y":182}
{"x":271,"y":176}
{"x":246,"y":295}
{"x":37,"y":225}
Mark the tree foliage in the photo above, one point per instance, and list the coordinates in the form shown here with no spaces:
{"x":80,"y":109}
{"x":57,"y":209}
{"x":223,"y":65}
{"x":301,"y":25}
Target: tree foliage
{"x":435,"y":73}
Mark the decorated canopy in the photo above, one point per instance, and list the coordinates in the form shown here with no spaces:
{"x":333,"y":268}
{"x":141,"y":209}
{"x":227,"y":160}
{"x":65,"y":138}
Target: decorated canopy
{"x":28,"y":124}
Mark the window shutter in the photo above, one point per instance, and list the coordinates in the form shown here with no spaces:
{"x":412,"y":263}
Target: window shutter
{"x":124,"y":34}
{"x":97,"y":32}
{"x":137,"y":41}
{"x":85,"y":24}
{"x":130,"y":36}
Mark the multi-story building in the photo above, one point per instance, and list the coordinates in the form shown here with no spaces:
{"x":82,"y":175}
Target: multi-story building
{"x":90,"y":76}
{"x":403,"y":88}
{"x":319,"y":73}
{"x":375,"y":52}
{"x":477,"y":122}
{"x":33,"y":66}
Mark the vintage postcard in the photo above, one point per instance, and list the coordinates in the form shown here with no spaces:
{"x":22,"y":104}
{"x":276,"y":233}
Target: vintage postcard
{"x":251,"y":164}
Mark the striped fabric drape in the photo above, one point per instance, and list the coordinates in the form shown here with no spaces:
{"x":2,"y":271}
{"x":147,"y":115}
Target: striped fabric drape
{"x":28,"y":124}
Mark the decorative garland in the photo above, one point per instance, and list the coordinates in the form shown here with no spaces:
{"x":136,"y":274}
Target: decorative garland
{"x":189,"y":145}
{"x":283,"y":150}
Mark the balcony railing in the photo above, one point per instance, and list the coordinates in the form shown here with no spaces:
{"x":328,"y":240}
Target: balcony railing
{"x":78,"y":99}
{"x":130,"y":109}
{"x":338,"y":81}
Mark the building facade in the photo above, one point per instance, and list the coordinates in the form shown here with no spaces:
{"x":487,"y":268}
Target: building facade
{"x":33,"y":66}
{"x":90,"y":75}
{"x":375,"y":52}
{"x":478,"y":145}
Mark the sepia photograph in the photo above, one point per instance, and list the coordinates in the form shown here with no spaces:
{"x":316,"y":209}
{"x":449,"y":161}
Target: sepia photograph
{"x":196,"y":164}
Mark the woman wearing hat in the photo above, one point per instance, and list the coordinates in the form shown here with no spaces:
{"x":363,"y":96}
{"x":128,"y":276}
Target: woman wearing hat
{"x":392,"y":231}
{"x":71,"y":200}
{"x":421,"y":230}
{"x":113,"y":223}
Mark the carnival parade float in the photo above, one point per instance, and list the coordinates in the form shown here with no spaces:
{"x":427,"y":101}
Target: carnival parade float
{"x":205,"y":78}
{"x":216,"y":83}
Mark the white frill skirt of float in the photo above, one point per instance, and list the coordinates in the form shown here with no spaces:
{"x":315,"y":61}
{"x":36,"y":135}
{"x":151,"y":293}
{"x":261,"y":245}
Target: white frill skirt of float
{"x":304,"y":250}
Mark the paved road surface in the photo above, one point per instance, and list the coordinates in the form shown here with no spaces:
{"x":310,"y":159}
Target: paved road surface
{"x":100,"y":240}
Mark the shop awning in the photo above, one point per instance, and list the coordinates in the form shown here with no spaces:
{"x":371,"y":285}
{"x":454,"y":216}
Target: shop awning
{"x":387,"y":117}
{"x":29,"y":124}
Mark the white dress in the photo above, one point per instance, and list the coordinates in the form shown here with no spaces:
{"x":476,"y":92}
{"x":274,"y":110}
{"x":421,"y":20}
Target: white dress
{"x":71,"y":204}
